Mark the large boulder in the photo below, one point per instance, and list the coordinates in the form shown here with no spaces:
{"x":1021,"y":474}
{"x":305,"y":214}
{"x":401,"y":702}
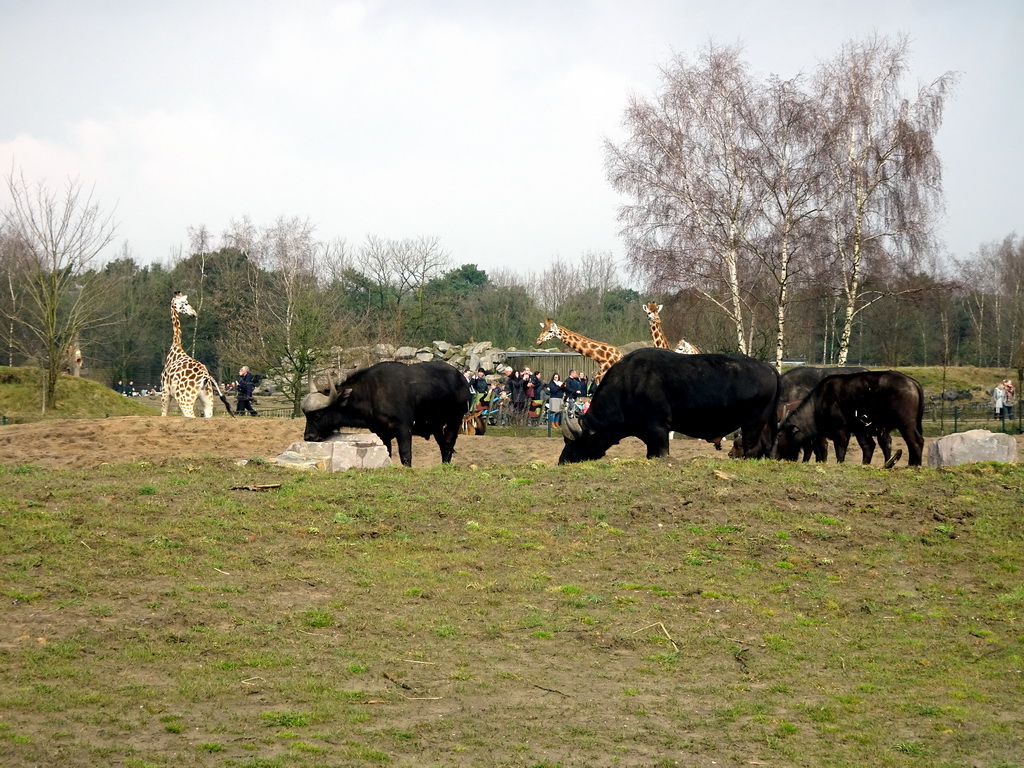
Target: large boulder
{"x":968,"y":447}
{"x":343,"y":451}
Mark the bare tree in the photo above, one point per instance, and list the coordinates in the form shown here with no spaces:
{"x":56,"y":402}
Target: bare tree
{"x":59,"y":237}
{"x":398,"y":271}
{"x":285,"y":331}
{"x":886,"y":176}
{"x":788,"y":168}
{"x":686,"y":163}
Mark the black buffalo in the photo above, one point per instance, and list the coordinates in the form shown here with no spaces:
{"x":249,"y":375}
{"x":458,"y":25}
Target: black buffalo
{"x":652,"y":391}
{"x":394,"y":401}
{"x":797,"y":384}
{"x":859,"y":404}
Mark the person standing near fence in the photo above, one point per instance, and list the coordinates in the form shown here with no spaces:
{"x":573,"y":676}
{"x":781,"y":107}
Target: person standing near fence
{"x":1008,"y":388}
{"x":999,"y":400}
{"x":246,"y":386}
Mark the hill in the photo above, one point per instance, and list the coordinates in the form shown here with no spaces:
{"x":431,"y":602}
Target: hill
{"x":21,"y":398}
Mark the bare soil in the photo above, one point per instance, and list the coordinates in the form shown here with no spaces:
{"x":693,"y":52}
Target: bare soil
{"x":84,"y":443}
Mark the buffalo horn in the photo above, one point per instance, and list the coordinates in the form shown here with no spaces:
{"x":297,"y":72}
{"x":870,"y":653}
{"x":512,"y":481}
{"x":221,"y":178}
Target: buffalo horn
{"x":317,"y":401}
{"x":571,"y":428}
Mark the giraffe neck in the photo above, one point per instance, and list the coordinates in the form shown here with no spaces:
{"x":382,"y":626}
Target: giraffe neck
{"x":176,"y":343}
{"x":657,"y":334}
{"x":605,"y":354}
{"x":176,"y":351}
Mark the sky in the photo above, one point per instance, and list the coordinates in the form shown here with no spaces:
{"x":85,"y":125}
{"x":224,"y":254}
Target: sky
{"x":476,"y":122}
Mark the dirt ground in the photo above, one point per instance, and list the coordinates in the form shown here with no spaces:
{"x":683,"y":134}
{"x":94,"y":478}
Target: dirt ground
{"x":84,"y":443}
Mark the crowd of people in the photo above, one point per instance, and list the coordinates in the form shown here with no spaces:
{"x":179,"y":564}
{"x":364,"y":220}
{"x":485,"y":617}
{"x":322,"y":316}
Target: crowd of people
{"x":129,"y":390}
{"x":523,"y":396}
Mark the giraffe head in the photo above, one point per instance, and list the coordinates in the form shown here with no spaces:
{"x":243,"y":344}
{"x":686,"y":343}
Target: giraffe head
{"x":653,"y":311}
{"x":181,"y":306}
{"x":548,"y":330}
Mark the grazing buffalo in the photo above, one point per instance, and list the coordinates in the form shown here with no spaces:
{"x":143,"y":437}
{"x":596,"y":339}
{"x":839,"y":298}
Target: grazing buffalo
{"x":797,"y":383}
{"x":652,"y":391}
{"x":393,"y":400}
{"x":860,"y":404}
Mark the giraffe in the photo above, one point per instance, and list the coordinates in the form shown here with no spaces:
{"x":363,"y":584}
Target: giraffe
{"x":654,"y":316}
{"x":184,"y":377}
{"x":605,"y":355}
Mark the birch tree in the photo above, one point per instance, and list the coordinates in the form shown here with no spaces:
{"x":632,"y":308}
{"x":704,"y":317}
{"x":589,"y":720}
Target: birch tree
{"x":789,"y":169}
{"x":685,"y":164}
{"x":886,"y":176}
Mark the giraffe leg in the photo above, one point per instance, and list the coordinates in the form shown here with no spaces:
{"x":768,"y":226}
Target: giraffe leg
{"x":186,"y":404}
{"x":206,"y":400}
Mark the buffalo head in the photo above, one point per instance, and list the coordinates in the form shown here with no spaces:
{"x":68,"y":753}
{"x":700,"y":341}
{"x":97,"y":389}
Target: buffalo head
{"x":790,"y":442}
{"x":581,"y":444}
{"x":321,"y":410}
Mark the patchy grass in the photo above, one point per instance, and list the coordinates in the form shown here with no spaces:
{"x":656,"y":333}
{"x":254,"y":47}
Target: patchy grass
{"x":609,"y":613}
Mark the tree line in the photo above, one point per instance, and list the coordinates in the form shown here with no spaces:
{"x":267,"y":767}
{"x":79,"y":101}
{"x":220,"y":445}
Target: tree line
{"x":789,"y":220}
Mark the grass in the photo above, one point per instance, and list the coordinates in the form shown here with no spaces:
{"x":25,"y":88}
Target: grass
{"x":609,"y":613}
{"x":21,"y":398}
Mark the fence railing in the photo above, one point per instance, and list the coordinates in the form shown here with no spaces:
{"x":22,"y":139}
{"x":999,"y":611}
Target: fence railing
{"x":962,"y":416}
{"x":275,"y":412}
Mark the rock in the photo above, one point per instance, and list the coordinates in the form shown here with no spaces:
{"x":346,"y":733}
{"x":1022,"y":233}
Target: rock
{"x":384,"y":351}
{"x":341,"y":452}
{"x":972,"y":446}
{"x":405,"y":353}
{"x":491,"y":360}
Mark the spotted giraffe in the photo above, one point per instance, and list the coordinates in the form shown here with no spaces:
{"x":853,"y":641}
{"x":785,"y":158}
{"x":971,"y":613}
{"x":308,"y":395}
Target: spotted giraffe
{"x":605,"y":355}
{"x":184,"y":378}
{"x":654,"y":317}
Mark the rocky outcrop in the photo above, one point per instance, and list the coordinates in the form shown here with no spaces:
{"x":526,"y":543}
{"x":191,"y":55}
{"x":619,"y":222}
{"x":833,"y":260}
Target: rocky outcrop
{"x":480,"y":354}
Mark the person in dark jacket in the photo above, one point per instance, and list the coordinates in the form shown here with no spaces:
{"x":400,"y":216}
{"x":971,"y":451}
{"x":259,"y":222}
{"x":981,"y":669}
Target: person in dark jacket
{"x":516,"y":386}
{"x":574,"y":387}
{"x":478,"y":387}
{"x":246,"y":386}
{"x":556,"y":391}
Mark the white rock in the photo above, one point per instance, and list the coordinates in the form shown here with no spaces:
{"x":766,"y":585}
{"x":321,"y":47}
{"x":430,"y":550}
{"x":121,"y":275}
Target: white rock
{"x":972,"y":446}
{"x":341,"y":452}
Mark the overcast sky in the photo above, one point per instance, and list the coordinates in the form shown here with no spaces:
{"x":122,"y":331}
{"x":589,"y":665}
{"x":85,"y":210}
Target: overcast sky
{"x":480,"y":123}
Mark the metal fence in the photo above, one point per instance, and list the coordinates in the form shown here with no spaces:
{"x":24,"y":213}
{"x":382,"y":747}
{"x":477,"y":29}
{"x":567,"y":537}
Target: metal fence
{"x":962,"y":416}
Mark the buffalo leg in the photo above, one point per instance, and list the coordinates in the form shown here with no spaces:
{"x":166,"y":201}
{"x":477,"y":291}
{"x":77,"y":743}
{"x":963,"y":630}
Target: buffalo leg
{"x":885,"y":443}
{"x":657,"y":443}
{"x":405,"y":447}
{"x":820,"y":450}
{"x":841,"y":443}
{"x":915,"y":445}
{"x":867,"y":446}
{"x":446,"y":437}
